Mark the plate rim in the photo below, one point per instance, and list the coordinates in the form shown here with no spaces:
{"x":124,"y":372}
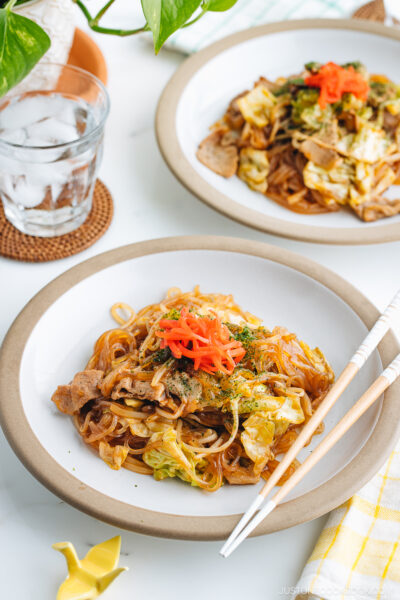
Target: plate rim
{"x":179,"y":165}
{"x":115,"y":512}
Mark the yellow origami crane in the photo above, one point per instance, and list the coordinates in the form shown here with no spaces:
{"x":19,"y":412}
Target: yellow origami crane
{"x":89,"y":577}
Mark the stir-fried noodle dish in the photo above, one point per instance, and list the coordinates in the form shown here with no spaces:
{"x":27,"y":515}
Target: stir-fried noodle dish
{"x":316,"y":142}
{"x":194,"y":387}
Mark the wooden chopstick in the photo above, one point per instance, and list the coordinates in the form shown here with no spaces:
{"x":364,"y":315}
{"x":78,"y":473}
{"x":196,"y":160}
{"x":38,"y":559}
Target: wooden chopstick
{"x":358,"y":360}
{"x":389,"y":375}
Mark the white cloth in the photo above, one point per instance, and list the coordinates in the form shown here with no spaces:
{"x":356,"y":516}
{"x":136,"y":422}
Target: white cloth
{"x":248,"y":13}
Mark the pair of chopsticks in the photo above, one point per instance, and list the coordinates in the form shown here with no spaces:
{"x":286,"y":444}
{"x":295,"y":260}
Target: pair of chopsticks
{"x":249,"y":522}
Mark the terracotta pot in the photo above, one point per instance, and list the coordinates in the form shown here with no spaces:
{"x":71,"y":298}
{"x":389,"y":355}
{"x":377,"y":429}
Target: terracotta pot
{"x":86,"y":54}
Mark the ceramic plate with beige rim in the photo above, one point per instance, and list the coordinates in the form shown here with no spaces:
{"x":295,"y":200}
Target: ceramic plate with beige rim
{"x":199,"y":93}
{"x":53,"y":337}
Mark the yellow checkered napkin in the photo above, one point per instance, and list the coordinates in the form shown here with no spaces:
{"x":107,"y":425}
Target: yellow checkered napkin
{"x":357,"y":556}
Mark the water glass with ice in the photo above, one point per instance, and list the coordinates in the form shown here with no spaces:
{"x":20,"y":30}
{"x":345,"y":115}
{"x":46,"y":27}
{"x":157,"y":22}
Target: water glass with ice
{"x":51,"y":142}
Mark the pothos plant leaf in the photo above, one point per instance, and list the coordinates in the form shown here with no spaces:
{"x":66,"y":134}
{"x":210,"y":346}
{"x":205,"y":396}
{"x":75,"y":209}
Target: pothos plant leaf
{"x":164,"y":17}
{"x":220,"y":5}
{"x":22,"y":45}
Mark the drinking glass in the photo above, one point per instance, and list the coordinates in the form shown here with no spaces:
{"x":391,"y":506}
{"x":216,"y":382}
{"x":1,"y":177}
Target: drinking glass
{"x":51,"y":145}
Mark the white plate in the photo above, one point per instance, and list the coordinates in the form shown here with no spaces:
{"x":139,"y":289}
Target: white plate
{"x":200,"y":91}
{"x":275,"y":285}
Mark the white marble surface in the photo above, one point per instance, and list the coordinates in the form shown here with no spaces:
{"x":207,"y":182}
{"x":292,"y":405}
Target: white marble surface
{"x":149,"y":203}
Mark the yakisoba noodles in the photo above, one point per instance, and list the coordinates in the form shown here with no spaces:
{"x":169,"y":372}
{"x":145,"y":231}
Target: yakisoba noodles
{"x":316,"y":142}
{"x":194,"y":387}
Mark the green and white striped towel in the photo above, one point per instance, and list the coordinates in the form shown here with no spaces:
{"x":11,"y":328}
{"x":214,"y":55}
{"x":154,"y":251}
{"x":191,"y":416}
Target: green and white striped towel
{"x":247,"y":13}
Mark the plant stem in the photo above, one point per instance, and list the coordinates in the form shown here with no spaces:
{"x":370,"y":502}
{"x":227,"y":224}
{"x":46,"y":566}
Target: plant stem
{"x":203,"y":12}
{"x":120,"y":32}
{"x":102,"y":11}
{"x":84,"y":10}
{"x":94,"y":22}
{"x":10,"y":4}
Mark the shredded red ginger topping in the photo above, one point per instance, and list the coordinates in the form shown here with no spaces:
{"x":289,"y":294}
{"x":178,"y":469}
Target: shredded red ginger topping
{"x":334,"y":81}
{"x":205,"y":340}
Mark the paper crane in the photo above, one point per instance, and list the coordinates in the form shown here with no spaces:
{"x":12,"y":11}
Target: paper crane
{"x":89,"y":577}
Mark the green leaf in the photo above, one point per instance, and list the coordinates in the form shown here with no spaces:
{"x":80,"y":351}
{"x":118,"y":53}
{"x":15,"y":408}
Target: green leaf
{"x":164,"y":17}
{"x":22,"y":44}
{"x":219,"y":5}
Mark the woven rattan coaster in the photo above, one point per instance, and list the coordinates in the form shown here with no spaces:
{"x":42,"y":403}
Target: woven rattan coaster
{"x":374,"y":11}
{"x":17,"y":245}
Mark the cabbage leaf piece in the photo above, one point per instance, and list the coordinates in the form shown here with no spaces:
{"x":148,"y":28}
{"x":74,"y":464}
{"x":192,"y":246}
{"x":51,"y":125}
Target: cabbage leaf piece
{"x":256,"y":397}
{"x":275,"y":408}
{"x":256,"y":106}
{"x":257,"y":438}
{"x":272,"y":418}
{"x":307,"y":111}
{"x":254,"y":168}
{"x":370,"y":144}
{"x":145,"y":428}
{"x":113,"y":456}
{"x":333,"y":182}
{"x":351,"y":182}
{"x":170,"y":460}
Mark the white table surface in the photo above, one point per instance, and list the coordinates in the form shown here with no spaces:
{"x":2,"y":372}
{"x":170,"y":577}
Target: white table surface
{"x":150,"y":203}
